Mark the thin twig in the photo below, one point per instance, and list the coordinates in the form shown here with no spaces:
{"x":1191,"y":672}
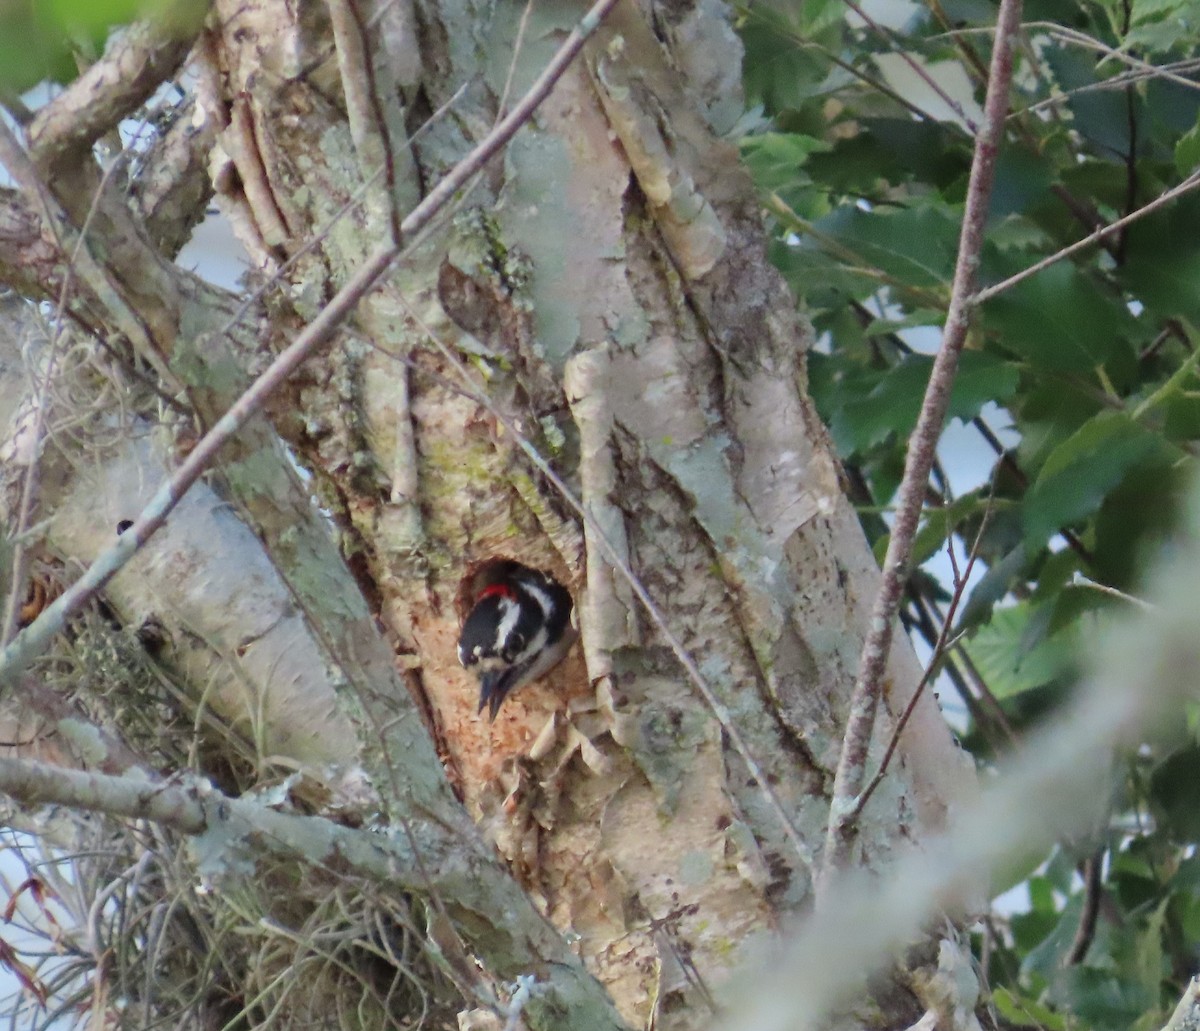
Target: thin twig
{"x":29,"y":481}
{"x":518,"y":43}
{"x":32,"y":641}
{"x":1189,"y":184}
{"x":656,"y":614}
{"x":1145,"y":69}
{"x":1113,"y":592}
{"x":1093,"y":886}
{"x":905,"y":53}
{"x":864,"y":700}
{"x":943,"y":644}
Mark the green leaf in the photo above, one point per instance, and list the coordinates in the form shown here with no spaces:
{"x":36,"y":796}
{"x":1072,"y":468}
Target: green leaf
{"x":891,"y":405}
{"x":816,"y":16}
{"x":817,"y":279}
{"x":1175,"y":793}
{"x":1022,"y":1011}
{"x":1100,"y":115}
{"x":1060,"y":320}
{"x":1046,"y":957}
{"x":914,"y":245}
{"x":1162,"y":260}
{"x":1022,"y":178}
{"x":1139,"y":517}
{"x":1080,"y":472}
{"x":940,"y":523}
{"x":1012,"y":657}
{"x":1148,"y":952}
{"x":31,"y":51}
{"x":1189,"y":917}
{"x":1103,"y":1000}
{"x":994,"y":585}
{"x":780,"y":72}
{"x":775,"y":158}
{"x":894,"y":150}
{"x":918,"y":318}
{"x":1145,"y":10}
{"x":93,"y":15}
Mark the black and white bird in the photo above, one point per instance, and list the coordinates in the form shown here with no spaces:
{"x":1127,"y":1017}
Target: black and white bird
{"x":518,"y":629}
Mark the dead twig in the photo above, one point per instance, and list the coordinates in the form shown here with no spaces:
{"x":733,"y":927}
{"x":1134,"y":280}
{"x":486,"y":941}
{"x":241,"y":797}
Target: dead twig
{"x":864,"y":700}
{"x":36,"y":637}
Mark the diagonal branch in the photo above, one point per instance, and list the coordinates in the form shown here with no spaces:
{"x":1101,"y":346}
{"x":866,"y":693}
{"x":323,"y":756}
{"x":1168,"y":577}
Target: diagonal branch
{"x":922,"y":446}
{"x":134,"y":65}
{"x":428,"y":861}
{"x":36,"y":637}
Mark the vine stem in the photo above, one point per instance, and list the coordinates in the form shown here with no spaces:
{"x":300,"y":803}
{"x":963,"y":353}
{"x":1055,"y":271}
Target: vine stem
{"x":841,"y":831}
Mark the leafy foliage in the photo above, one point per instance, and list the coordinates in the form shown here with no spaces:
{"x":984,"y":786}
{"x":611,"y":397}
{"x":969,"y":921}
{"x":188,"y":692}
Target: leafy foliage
{"x":48,"y":40}
{"x":1086,"y":366}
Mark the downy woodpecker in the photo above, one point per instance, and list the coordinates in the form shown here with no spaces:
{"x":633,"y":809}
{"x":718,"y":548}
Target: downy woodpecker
{"x":519,"y":628}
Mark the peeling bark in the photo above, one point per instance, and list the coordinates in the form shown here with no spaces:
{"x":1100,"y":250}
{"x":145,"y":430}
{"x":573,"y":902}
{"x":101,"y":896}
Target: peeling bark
{"x":604,"y":289}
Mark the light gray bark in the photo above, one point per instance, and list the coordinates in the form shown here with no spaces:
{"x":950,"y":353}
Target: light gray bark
{"x":605,"y":286}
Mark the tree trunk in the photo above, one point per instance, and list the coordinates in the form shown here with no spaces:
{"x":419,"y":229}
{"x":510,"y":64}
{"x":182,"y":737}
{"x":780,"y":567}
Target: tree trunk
{"x":600,"y":293}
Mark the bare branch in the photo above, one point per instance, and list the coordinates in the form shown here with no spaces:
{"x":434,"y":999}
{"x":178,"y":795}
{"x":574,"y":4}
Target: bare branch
{"x":1187,"y":1012}
{"x":35,"y":783}
{"x":425,"y":861}
{"x":106,"y":750}
{"x":1093,"y":888}
{"x":1166,"y":197}
{"x":134,"y":65}
{"x":34,"y":639}
{"x":85,"y":267}
{"x":172,"y":185}
{"x":29,"y":262}
{"x":364,"y":111}
{"x":864,"y":700}
{"x":940,"y":648}
{"x":1144,"y":670}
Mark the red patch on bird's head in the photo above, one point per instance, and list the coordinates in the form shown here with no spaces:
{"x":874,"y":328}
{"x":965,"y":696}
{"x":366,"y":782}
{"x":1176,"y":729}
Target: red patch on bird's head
{"x":497,"y":591}
{"x":482,"y":579}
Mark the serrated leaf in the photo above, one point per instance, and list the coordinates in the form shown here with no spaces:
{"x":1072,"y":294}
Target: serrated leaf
{"x":775,"y":158}
{"x":817,"y":279}
{"x":1144,"y":10}
{"x":818,"y":15}
{"x":1101,"y":115}
{"x":1175,"y":792}
{"x":1162,"y":263}
{"x":894,"y":150}
{"x":1187,"y":151}
{"x":779,"y":72}
{"x":916,"y":246}
{"x":1060,"y":320}
{"x":1103,"y":1000}
{"x":1081,"y":471}
{"x":894,"y":401}
{"x":1022,"y":179}
{"x":1006,"y":661}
